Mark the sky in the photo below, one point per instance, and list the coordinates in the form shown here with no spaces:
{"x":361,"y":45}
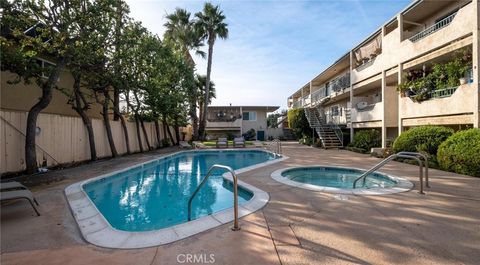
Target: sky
{"x":275,"y":47}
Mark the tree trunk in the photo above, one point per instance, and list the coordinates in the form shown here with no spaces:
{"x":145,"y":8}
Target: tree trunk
{"x":145,"y":134}
{"x":116,"y":104}
{"x":45,"y":99}
{"x":167,"y":129}
{"x":77,"y":106}
{"x":157,"y":131}
{"x":139,"y":136}
{"x":106,"y":121}
{"x":203,"y":122}
{"x":177,"y":130}
{"x":125,"y":130}
{"x":194,"y":118}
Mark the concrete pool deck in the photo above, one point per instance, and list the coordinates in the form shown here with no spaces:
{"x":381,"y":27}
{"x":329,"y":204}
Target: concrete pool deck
{"x":296,"y":226}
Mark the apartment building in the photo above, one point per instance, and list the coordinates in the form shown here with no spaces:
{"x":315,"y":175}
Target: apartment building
{"x":359,"y":90}
{"x":236,"y":120}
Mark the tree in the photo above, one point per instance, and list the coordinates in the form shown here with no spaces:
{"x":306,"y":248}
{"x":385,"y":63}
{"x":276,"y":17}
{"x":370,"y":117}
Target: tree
{"x":200,"y":81}
{"x":272,"y":119}
{"x":34,"y":29}
{"x":298,"y":123}
{"x":181,"y":35}
{"x":96,"y":39}
{"x":210,"y":25}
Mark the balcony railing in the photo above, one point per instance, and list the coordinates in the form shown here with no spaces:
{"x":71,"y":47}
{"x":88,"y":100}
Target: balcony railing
{"x":297,"y":104}
{"x":432,"y":29}
{"x":442,"y":93}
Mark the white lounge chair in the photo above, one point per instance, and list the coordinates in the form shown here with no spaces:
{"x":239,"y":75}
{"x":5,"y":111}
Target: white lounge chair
{"x":184,"y":144}
{"x":239,"y":142}
{"x":222,"y":143}
{"x":14,"y":191}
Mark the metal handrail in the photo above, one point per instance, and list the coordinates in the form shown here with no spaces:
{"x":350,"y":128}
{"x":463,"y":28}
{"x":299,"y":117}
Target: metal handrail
{"x":385,"y":161}
{"x":235,"y":193}
{"x":333,"y":125}
{"x":425,"y":163}
{"x":274,"y":146}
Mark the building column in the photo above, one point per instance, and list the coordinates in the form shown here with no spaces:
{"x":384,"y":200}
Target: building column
{"x":351,"y":96}
{"x":475,"y":63}
{"x":400,"y":26}
{"x":384,"y":124}
{"x":400,"y":79}
{"x":241,"y":126}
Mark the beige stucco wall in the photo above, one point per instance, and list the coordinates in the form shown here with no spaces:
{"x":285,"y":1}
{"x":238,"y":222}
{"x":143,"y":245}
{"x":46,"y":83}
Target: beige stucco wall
{"x":258,"y":125}
{"x":460,"y":102}
{"x":21,"y":97}
{"x":395,"y":52}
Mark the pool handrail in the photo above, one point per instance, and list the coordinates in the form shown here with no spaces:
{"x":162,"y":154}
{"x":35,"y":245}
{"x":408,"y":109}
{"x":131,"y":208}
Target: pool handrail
{"x":235,"y":193}
{"x":385,"y":161}
{"x":425,"y":164}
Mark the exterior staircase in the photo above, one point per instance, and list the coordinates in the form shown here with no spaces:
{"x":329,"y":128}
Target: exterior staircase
{"x":330,"y":136}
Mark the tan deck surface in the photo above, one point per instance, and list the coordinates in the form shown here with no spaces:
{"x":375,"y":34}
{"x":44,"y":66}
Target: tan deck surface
{"x":296,"y":227}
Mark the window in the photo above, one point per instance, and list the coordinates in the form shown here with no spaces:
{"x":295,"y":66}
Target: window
{"x":336,"y":111}
{"x":46,"y":67}
{"x":249,"y":116}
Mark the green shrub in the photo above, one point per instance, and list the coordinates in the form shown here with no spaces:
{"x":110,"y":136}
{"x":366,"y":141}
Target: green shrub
{"x":425,"y":139}
{"x":365,"y":140}
{"x":166,"y":142}
{"x":460,"y":153}
{"x":298,"y":122}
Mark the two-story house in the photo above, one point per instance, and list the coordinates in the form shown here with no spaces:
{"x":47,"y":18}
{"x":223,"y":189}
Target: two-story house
{"x":237,"y":120}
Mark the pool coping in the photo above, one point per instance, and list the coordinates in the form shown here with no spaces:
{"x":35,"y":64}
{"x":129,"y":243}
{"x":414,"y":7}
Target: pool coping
{"x":403,"y":184}
{"x":96,"y":230}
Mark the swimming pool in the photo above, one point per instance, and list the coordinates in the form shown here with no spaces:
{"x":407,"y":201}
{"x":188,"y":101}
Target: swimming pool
{"x":151,"y":198}
{"x":340,"y":180}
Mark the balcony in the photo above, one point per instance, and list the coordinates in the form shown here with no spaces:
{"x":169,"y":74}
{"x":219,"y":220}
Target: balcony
{"x":372,"y":112}
{"x":450,"y":101}
{"x":297,"y":104}
{"x":434,"y":28}
{"x":226,"y":124}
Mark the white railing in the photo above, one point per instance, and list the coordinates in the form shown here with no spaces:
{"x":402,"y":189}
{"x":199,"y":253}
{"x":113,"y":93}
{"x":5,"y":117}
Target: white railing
{"x":297,"y":104}
{"x":434,"y":28}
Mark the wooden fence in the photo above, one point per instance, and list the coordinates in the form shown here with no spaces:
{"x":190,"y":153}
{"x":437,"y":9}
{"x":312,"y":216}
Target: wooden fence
{"x":63,"y":139}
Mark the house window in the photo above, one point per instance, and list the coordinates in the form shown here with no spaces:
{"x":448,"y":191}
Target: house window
{"x":249,"y":116}
{"x":336,"y":111}
{"x":46,"y":67}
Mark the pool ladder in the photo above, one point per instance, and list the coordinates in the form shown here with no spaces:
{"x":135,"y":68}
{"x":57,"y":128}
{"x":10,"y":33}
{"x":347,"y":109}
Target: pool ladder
{"x":235,"y":193}
{"x":409,"y":155}
{"x":276,"y":145}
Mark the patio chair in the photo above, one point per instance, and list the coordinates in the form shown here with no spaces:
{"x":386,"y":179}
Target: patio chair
{"x":184,"y":144}
{"x":239,"y":142}
{"x":15,"y":194}
{"x":14,"y":185}
{"x":222,"y":143}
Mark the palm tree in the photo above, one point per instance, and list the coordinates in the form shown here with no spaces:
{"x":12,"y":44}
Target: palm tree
{"x":210,"y":25}
{"x":200,"y":81}
{"x":182,"y":35}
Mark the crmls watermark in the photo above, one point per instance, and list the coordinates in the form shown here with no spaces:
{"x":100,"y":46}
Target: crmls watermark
{"x":196,"y":258}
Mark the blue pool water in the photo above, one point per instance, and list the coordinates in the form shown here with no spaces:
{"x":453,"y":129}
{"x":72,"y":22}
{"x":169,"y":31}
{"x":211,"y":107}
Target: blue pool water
{"x":155,"y":195}
{"x":337,"y":177}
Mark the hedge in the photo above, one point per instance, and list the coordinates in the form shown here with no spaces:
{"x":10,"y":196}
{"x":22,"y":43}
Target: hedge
{"x":365,"y":140}
{"x":460,"y":153}
{"x":298,"y":122}
{"x":422,"y":139}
